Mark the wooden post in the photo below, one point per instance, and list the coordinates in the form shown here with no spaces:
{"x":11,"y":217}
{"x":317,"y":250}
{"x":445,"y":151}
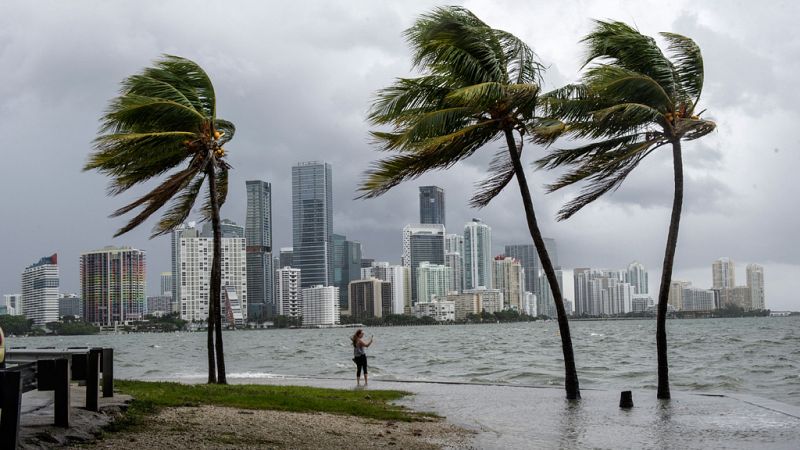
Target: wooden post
{"x":108,"y":372}
{"x":62,"y":401}
{"x":11,"y":402}
{"x":92,"y":379}
{"x":626,"y":400}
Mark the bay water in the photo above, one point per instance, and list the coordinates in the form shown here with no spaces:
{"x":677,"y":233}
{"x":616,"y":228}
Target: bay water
{"x":756,"y":356}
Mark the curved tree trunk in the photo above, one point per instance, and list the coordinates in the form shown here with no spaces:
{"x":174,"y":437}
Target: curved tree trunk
{"x":215,"y":292}
{"x":666,"y":274}
{"x":570,"y":373}
{"x":212,"y":364}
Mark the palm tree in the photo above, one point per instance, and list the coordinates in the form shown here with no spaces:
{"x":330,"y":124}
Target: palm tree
{"x":164,"y":119}
{"x":630,"y":101}
{"x":478,"y":85}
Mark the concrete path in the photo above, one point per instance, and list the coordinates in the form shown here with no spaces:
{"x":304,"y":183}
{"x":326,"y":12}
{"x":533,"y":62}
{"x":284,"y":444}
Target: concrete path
{"x":518,"y":417}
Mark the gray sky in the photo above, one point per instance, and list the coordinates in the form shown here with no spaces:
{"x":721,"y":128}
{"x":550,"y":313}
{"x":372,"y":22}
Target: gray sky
{"x":297,"y":77}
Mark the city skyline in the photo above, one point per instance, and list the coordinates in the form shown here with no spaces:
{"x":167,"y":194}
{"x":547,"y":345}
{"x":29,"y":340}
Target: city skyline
{"x":734,"y":178}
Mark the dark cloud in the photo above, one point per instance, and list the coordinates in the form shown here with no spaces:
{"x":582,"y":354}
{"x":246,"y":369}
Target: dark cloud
{"x":297,"y":79}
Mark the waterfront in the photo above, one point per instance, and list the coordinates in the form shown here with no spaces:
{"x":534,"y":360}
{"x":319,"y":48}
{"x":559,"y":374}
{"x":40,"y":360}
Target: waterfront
{"x":755,"y":356}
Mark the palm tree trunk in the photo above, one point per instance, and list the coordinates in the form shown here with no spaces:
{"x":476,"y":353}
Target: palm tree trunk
{"x":666,"y":274}
{"x":570,"y":373}
{"x":216,"y":273}
{"x":212,"y":364}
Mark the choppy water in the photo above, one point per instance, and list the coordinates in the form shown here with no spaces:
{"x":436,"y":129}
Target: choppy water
{"x":759,"y":356}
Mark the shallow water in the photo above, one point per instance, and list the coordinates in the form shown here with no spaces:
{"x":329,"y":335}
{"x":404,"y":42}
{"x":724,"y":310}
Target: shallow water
{"x":758,"y":356}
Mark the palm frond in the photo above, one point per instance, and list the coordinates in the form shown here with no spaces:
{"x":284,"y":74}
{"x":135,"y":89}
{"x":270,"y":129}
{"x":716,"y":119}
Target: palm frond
{"x":181,"y":206}
{"x":406,"y":97}
{"x":688,"y":65}
{"x":623,"y":46}
{"x":226,"y":128}
{"x":137,"y":114}
{"x":621,"y":85}
{"x":501,"y":172}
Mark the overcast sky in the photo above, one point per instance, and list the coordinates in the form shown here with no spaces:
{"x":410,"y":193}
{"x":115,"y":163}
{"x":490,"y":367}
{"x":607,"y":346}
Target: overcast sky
{"x":297,"y":78}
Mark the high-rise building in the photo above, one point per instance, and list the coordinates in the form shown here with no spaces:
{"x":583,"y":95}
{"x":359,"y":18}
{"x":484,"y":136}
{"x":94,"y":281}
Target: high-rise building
{"x":509,"y":278}
{"x":286,"y":257}
{"x":422,"y":243}
{"x":289,"y":296}
{"x":312,"y":222}
{"x":400,"y":279}
{"x":477,"y":255}
{"x":369,"y":298}
{"x":636,"y":275}
{"x":695,"y":299}
{"x":40,"y":291}
{"x":166,"y":285}
{"x":346,"y":266}
{"x":455,"y":263}
{"x":431,"y":205}
{"x":755,"y":282}
{"x":545,"y":304}
{"x":723,"y":274}
{"x":602,"y":292}
{"x":527,"y":256}
{"x":70,"y":305}
{"x":433,"y":280}
{"x":113,"y":285}
{"x":675,"y":297}
{"x":194,"y":254}
{"x":159,"y":305}
{"x":320,"y":306}
{"x":12,"y":304}
{"x":258,"y":236}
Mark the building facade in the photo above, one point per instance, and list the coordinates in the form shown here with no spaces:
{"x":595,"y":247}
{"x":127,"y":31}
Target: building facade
{"x":70,"y":305}
{"x":755,"y":282}
{"x":369,"y":298}
{"x":289,"y":294}
{"x":695,"y":299}
{"x":40,"y":283}
{"x":440,"y":310}
{"x":258,"y":238}
{"x":346,"y":266}
{"x":723,"y":274}
{"x":433,"y":281}
{"x":509,"y":278}
{"x":422,"y":243}
{"x":636,"y":275}
{"x":312,"y":222}
{"x":12,"y":304}
{"x":431,"y":205}
{"x":113,"y":285}
{"x":195,"y":254}
{"x":320,"y":306}
{"x":477,"y":255}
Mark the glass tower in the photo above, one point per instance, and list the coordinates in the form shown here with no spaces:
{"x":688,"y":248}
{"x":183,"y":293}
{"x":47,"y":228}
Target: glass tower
{"x":258,"y":235}
{"x":312,"y":223}
{"x":477,"y":255}
{"x":431,"y":204}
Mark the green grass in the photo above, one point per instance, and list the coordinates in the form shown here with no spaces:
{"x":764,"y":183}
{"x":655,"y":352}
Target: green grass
{"x":150,"y":397}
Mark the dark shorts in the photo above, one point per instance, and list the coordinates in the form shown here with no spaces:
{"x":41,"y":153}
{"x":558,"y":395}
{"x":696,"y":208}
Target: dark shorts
{"x":361,"y":362}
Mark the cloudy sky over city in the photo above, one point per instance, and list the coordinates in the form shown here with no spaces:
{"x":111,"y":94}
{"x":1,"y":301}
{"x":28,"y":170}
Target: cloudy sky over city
{"x":297,"y":78}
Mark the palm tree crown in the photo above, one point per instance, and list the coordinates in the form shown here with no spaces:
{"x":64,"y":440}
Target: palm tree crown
{"x":631,"y":100}
{"x":163,"y":117}
{"x":476,"y":82}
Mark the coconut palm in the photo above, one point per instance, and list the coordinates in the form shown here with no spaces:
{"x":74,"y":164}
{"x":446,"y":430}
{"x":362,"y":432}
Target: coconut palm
{"x":477,"y":85}
{"x":163,"y":120}
{"x":630,"y":101}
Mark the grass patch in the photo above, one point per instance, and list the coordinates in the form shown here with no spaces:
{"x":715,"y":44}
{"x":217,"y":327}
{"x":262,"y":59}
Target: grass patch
{"x":150,"y":397}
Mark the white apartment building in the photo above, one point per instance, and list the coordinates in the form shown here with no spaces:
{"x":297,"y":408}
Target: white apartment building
{"x":288,"y":294}
{"x":442,"y":311}
{"x":433,"y":280}
{"x":399,"y":276}
{"x":755,"y":282}
{"x":509,"y":277}
{"x":695,"y":299}
{"x":12,"y":304}
{"x":195,"y":253}
{"x":320,"y":306}
{"x":40,"y":283}
{"x":477,"y":255}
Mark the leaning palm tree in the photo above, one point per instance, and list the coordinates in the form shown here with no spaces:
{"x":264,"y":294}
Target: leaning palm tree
{"x":164,"y":119}
{"x":478,"y":85}
{"x":630,"y":101}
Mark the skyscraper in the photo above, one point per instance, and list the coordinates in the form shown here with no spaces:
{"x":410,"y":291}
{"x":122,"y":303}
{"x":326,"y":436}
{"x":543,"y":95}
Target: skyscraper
{"x":433,"y":280}
{"x":40,"y":291}
{"x":477,"y":255}
{"x":509,"y":278}
{"x":113,"y":285}
{"x":454,"y":259}
{"x":166,"y":284}
{"x":346,"y":266}
{"x":755,"y":282}
{"x":601,"y":292}
{"x":637,"y":277}
{"x":285,"y":257}
{"x":723,"y":274}
{"x":312,"y":222}
{"x":422,"y":243}
{"x":431,"y":205}
{"x":289,"y":296}
{"x":258,"y":236}
{"x":369,"y":298}
{"x":194,"y":254}
{"x":400,"y":278}
{"x":526,"y":255}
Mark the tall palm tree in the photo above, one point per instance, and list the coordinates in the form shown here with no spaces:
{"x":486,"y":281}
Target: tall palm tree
{"x":478,"y":85}
{"x":165,"y":119}
{"x":630,"y":101}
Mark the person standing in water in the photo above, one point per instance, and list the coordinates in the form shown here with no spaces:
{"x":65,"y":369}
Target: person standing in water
{"x":360,"y":354}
